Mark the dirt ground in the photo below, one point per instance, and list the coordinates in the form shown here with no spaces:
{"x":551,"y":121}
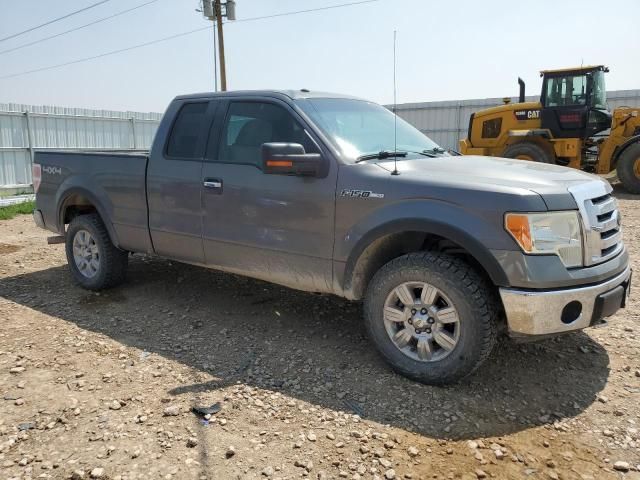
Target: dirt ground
{"x":102,"y":385}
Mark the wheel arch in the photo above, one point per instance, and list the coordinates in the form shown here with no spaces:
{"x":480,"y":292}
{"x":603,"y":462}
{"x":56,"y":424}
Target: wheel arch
{"x":622,"y":147}
{"x":395,"y":238}
{"x":539,"y":140}
{"x":77,"y":201}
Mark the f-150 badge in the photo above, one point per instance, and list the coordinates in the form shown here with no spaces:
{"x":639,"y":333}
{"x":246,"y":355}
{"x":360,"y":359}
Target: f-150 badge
{"x":360,"y":193}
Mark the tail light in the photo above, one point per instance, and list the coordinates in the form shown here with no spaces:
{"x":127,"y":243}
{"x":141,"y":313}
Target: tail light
{"x":36,"y":176}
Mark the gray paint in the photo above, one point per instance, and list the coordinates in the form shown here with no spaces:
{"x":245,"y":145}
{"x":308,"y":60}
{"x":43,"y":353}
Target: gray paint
{"x":301,"y":232}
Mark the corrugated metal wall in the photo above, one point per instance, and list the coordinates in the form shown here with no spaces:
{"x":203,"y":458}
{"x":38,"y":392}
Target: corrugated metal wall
{"x":447,"y":122}
{"x":24,"y":128}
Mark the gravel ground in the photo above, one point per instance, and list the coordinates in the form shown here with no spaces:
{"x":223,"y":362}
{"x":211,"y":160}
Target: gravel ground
{"x":102,"y":385}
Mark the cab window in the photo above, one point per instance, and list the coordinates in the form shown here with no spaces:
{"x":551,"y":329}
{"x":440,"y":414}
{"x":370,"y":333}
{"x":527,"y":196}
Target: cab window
{"x":187,"y":131}
{"x":566,"y":90}
{"x":250,"y":124}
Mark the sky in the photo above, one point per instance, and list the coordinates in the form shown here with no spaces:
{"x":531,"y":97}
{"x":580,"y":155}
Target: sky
{"x":446,"y":50}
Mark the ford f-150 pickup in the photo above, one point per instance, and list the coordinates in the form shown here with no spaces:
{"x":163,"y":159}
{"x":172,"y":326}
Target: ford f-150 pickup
{"x":326,"y":193}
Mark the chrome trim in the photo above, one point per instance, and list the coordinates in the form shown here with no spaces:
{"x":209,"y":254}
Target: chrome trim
{"x":594,"y":244}
{"x":538,"y":312}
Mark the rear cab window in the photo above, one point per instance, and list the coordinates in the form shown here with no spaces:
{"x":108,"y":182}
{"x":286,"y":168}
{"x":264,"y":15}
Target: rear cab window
{"x":188,"y":131}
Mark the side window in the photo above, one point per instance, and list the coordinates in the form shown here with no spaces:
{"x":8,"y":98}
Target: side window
{"x":491,"y":128}
{"x":187,"y":130}
{"x":567,"y":90}
{"x":250,"y":124}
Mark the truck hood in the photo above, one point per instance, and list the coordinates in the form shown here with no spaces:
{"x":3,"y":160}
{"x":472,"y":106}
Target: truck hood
{"x":549,"y":181}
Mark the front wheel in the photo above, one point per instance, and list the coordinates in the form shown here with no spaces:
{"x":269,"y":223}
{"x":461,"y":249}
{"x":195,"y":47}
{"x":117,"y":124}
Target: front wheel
{"x":95,"y":262}
{"x":628,"y":168}
{"x":431,"y":316}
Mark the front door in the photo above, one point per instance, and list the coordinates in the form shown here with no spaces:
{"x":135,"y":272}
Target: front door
{"x":276,"y":227}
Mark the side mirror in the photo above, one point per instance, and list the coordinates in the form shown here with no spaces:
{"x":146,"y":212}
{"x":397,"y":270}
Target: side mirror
{"x":291,"y":159}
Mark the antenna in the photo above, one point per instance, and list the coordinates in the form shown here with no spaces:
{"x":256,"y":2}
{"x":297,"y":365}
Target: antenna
{"x":395,"y":114}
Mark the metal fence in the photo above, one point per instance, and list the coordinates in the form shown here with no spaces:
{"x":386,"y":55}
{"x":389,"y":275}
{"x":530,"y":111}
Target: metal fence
{"x":24,"y":128}
{"x":447,"y":122}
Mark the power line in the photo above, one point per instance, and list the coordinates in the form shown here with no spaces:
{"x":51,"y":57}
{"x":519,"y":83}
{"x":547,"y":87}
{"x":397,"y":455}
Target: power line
{"x":76,"y":28}
{"x":177,"y":35}
{"x":53,"y":21}
{"x":106,"y":54}
{"x":319,"y":9}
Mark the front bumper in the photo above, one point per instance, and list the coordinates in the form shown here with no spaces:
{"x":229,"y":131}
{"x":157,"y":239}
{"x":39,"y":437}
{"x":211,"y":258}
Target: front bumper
{"x":549,"y":312}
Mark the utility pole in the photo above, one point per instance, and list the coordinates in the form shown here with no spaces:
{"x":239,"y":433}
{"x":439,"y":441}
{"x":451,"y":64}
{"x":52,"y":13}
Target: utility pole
{"x":212,"y":10}
{"x":223,"y":67}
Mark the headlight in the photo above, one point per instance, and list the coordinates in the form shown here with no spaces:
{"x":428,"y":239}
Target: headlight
{"x":549,"y":233}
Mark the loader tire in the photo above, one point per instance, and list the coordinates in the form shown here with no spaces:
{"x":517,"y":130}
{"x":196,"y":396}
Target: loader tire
{"x":529,"y":151}
{"x":95,"y":262}
{"x":629,"y":168}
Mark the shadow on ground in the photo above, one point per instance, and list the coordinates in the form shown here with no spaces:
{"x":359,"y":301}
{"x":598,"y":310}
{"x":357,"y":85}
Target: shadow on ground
{"x":313,"y":348}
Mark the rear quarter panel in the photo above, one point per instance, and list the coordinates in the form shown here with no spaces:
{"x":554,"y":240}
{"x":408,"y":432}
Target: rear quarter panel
{"x":114,"y":183}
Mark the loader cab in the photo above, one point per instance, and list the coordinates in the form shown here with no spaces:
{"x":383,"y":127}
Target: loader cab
{"x":574,"y":102}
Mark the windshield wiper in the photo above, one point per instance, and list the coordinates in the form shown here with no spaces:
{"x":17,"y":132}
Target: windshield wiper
{"x":381,"y":155}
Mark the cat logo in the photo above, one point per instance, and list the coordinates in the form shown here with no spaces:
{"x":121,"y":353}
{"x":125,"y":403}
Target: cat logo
{"x":527,"y":114}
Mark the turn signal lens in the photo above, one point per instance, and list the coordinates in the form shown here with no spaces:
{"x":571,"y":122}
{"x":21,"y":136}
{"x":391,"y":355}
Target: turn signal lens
{"x":519,"y":228}
{"x":36,"y":176}
{"x":279,"y":163}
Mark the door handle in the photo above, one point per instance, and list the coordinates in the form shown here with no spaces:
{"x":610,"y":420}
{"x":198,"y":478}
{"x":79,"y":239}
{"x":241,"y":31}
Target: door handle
{"x":212,"y":183}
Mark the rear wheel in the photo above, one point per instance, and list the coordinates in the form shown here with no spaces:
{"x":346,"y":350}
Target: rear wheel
{"x":628,"y":168}
{"x":94,"y":261}
{"x":431,"y":316}
{"x":529,"y":151}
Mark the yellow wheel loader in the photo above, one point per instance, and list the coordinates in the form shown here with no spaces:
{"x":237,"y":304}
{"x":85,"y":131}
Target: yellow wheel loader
{"x":563,"y":127}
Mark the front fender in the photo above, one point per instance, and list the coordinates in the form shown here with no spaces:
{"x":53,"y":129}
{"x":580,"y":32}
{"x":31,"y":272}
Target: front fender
{"x":621,"y":148}
{"x":474,"y":233}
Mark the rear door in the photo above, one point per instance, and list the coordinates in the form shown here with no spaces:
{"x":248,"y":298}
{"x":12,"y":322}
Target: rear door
{"x":279,"y":228}
{"x":174,"y":181}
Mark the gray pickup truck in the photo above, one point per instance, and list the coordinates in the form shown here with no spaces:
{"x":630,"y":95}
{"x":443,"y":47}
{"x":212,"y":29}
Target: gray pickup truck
{"x":320,"y":192}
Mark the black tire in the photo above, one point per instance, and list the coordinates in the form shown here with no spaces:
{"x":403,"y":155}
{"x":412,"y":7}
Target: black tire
{"x":628,"y":168}
{"x":473,"y":297}
{"x":529,"y":151}
{"x":111,"y":261}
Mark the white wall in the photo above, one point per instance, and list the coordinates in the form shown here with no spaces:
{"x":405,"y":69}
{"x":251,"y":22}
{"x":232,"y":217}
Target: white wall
{"x":24,"y":128}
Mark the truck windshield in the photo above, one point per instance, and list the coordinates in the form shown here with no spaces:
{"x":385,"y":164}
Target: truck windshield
{"x":358,"y":127}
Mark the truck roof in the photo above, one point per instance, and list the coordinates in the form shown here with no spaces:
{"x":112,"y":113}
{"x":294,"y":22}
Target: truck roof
{"x":292,"y":94}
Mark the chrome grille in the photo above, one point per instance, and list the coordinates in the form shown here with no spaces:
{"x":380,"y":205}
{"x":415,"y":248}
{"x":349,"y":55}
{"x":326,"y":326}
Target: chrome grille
{"x":601,"y":221}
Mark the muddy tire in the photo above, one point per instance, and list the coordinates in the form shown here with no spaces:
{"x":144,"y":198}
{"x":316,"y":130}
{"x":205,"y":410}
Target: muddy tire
{"x":431,"y":316}
{"x":628,"y":168}
{"x":94,"y":261}
{"x":529,"y":151}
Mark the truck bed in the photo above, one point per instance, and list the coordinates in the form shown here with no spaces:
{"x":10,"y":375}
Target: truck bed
{"x":115,"y":180}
